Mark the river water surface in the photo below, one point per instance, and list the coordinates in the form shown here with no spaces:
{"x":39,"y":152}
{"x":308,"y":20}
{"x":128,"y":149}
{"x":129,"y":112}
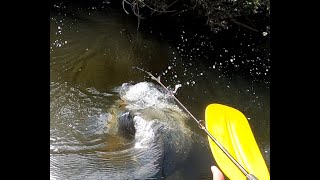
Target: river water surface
{"x":93,"y":52}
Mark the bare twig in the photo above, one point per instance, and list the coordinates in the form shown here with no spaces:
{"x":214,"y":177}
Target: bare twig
{"x":161,"y":11}
{"x":124,"y":1}
{"x":241,"y":24}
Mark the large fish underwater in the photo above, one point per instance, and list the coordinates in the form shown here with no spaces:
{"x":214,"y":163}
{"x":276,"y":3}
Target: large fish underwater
{"x":147,"y":137}
{"x":156,"y":126}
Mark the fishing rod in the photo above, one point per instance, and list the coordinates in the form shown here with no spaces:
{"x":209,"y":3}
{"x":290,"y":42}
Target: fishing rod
{"x":201,"y":126}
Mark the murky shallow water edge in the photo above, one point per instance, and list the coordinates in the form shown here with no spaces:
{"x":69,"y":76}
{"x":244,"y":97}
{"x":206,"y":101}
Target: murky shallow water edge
{"x":91,"y":54}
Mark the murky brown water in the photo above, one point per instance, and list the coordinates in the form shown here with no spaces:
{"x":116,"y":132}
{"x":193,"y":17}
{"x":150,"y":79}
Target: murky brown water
{"x":92,"y":54}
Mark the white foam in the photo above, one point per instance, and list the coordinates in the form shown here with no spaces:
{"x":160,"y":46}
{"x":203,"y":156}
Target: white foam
{"x":144,"y":132}
{"x":143,"y":95}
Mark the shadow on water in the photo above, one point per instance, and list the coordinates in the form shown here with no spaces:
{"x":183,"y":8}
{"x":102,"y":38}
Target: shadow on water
{"x":92,"y":52}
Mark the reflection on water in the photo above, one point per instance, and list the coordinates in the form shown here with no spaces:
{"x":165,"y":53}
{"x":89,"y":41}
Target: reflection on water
{"x":91,"y":55}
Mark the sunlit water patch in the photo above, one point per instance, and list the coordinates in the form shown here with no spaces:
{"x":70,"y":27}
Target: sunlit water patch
{"x":85,"y":141}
